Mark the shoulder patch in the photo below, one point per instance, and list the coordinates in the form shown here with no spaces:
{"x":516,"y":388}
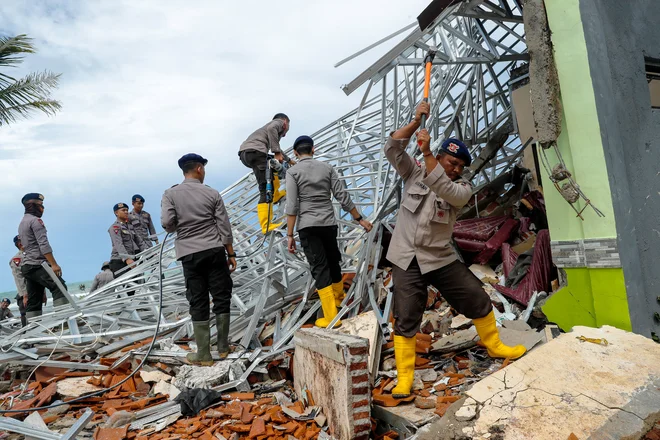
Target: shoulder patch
{"x":41,"y":222}
{"x":16,"y":261}
{"x":417,"y":163}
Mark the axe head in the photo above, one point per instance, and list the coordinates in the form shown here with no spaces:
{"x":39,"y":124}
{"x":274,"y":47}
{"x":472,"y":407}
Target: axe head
{"x":430,"y":54}
{"x":428,"y":15}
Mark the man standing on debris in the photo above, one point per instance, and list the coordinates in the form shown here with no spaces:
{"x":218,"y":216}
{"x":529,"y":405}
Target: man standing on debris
{"x":141,"y":221}
{"x":310,"y":186}
{"x":34,"y":238}
{"x":196,"y":212}
{"x":126,"y":242}
{"x":21,"y":292}
{"x":102,"y":278}
{"x":254,"y":154}
{"x":420,"y":250}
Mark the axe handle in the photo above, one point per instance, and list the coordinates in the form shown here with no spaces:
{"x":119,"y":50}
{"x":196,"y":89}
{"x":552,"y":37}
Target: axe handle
{"x":427,"y":87}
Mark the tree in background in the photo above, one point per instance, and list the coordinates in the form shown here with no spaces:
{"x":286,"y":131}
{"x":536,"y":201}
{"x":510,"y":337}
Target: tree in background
{"x":19,"y":97}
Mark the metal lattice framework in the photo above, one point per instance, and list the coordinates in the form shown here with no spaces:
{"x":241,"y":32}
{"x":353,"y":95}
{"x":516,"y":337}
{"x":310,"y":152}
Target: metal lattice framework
{"x":479,"y":41}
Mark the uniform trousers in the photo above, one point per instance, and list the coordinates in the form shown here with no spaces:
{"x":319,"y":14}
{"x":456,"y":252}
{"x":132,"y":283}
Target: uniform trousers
{"x":36,"y":281}
{"x":256,"y":160}
{"x":457,"y":284}
{"x":320,"y":246}
{"x":116,"y":266}
{"x":207,"y":272}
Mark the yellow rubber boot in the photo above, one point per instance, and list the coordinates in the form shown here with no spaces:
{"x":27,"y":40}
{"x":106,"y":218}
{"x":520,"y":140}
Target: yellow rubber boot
{"x":277,"y":194}
{"x":404,"y":355}
{"x":329,"y":307}
{"x":265,"y":212}
{"x":338,"y":289}
{"x":490,"y":337}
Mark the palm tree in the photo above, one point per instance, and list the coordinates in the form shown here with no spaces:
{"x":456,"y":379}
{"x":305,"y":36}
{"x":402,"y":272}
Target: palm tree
{"x":18,"y":97}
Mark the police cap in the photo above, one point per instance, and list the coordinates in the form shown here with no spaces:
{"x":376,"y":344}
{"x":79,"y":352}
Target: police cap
{"x":303,"y":140}
{"x":16,"y":240}
{"x":6,"y":300}
{"x":119,"y":206}
{"x":456,"y":148}
{"x":105,"y":264}
{"x":191,"y":157}
{"x":137,"y":197}
{"x":31,"y":196}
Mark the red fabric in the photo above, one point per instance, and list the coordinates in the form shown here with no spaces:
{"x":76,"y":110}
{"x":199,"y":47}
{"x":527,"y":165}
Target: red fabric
{"x":470,"y":245}
{"x":496,"y":241}
{"x":478,"y":228}
{"x":538,"y":275}
{"x":509,"y":258}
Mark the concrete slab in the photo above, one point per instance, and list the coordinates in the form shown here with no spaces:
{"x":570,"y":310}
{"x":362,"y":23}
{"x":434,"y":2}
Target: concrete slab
{"x":566,"y":386}
{"x":528,"y":338}
{"x":365,"y":325}
{"x":460,"y":340}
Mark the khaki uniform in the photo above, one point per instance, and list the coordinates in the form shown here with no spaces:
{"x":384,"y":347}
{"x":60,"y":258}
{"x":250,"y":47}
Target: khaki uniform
{"x":144,"y":226}
{"x":310,"y":186}
{"x":101,"y":279}
{"x":266,"y":138}
{"x":420,"y":249}
{"x":21,"y":289}
{"x":126,"y":242}
{"x":34,"y":238}
{"x":197,"y":214}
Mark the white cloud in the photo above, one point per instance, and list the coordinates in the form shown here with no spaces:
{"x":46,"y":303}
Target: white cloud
{"x":145,"y":82}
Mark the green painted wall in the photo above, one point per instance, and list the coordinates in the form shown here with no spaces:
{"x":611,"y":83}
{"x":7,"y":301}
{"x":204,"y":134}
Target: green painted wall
{"x":592,"y":297}
{"x":580,"y":142}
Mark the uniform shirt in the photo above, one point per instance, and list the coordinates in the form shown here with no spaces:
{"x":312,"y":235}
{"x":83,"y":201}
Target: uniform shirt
{"x":426,"y":218}
{"x":101,"y":279}
{"x":143,"y":225}
{"x":5,"y":313}
{"x":125,"y":241}
{"x":34,"y":239}
{"x":15,"y":264}
{"x":265,"y":138}
{"x":309,"y":186}
{"x":197,"y":214}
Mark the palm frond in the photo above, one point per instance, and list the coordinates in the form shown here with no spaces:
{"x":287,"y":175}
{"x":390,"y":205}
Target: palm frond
{"x":27,"y":94}
{"x":13,"y":49}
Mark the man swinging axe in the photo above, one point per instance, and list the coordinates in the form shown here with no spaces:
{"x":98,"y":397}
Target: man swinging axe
{"x":253,"y":153}
{"x":420,"y":249}
{"x":310,"y":186}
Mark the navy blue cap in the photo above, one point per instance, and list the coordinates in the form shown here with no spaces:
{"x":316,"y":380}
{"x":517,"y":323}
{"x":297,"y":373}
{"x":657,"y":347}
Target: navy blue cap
{"x":191,"y":157}
{"x":16,"y":239}
{"x":6,"y":300}
{"x":119,"y":206}
{"x":31,"y":196}
{"x":456,"y":148}
{"x":137,"y":197}
{"x":303,"y":140}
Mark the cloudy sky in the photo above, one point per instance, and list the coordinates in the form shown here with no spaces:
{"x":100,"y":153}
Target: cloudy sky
{"x":144,"y":82}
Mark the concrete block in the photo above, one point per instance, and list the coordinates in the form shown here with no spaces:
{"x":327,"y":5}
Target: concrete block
{"x":334,"y":368}
{"x":567,"y":386}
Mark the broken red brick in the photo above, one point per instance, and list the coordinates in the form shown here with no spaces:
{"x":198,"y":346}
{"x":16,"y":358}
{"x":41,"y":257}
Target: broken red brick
{"x":258,"y":428}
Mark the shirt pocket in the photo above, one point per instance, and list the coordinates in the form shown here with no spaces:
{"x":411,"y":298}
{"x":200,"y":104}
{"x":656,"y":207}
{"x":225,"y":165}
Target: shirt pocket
{"x":414,"y":197}
{"x":443,"y":212}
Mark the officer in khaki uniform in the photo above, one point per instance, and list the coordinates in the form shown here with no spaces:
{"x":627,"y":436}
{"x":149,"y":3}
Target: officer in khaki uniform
{"x":196,"y":212}
{"x":253,"y":153}
{"x":102,"y":278}
{"x":37,"y":250}
{"x":420,"y":249}
{"x":21,"y":292}
{"x":310,"y":186}
{"x":141,"y":221}
{"x":126,"y":242}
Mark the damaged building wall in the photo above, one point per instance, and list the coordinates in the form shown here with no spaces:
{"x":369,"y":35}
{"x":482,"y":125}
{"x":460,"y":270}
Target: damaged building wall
{"x":586,"y":250}
{"x":619,"y":35}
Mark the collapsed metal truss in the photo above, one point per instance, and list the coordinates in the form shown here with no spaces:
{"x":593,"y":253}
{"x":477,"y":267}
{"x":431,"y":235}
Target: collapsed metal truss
{"x":479,"y":41}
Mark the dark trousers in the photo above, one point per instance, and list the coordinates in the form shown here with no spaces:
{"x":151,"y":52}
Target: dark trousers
{"x":36,"y":282}
{"x":207,"y":272}
{"x":258,"y":162}
{"x":320,"y":246}
{"x":116,"y":266}
{"x":457,"y":284}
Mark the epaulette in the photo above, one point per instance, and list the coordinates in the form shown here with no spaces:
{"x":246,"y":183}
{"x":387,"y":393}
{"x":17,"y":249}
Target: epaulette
{"x":176,"y":184}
